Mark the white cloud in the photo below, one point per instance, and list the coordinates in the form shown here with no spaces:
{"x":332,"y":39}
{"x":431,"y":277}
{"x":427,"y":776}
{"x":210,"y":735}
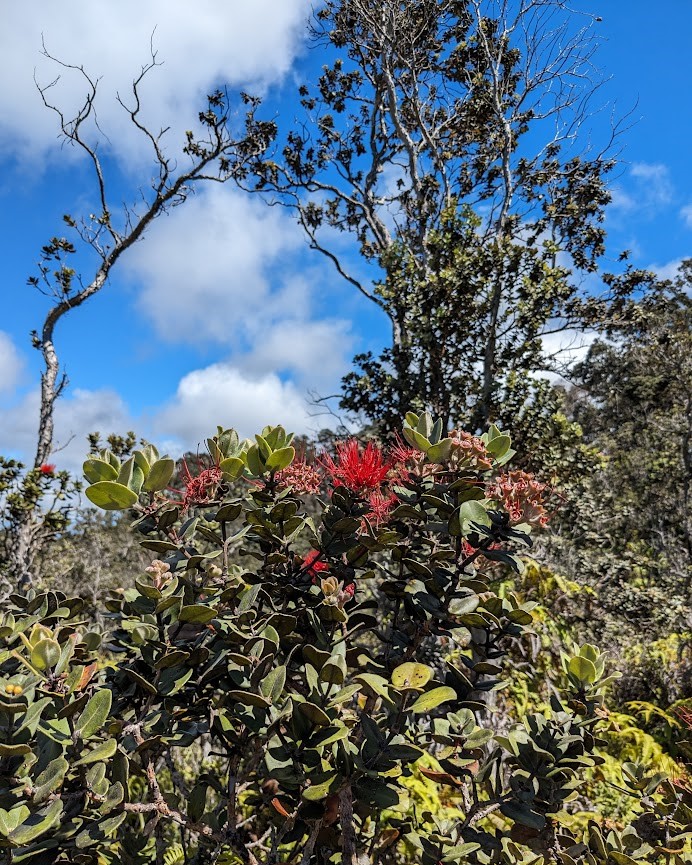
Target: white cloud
{"x":213,"y":272}
{"x":204,"y":268}
{"x":201,"y":45}
{"x":11,"y":364}
{"x":655,"y":177}
{"x":567,"y":347}
{"x":669,"y":270}
{"x":76,"y":415}
{"x":223,"y":394}
{"x":314,"y":351}
{"x":646,"y":189}
{"x":686,"y":215}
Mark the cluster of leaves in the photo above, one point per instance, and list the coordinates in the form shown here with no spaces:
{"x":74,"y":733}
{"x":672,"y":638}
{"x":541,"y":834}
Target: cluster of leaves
{"x":42,"y":491}
{"x":299,"y":677}
{"x":626,"y":530}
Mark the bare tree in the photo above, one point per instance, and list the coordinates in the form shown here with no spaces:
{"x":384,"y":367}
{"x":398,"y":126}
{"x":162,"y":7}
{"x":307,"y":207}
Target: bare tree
{"x":214,"y":154}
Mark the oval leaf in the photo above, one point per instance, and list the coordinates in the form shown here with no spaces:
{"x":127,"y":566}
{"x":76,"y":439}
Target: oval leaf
{"x":96,"y":470}
{"x":111,"y":496}
{"x":431,"y":699}
{"x":94,"y":715}
{"x":160,"y":475}
{"x":411,"y":675}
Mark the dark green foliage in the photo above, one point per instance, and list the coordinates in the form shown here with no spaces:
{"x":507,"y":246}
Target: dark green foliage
{"x":271,"y":706}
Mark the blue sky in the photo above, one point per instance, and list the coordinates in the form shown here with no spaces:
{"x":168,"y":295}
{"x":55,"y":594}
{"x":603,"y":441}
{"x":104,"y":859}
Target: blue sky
{"x":222,"y":315}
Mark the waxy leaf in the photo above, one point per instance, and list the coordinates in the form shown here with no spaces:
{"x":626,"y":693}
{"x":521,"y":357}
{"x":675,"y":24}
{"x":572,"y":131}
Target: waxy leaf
{"x":160,"y":475}
{"x":411,"y":675}
{"x":94,"y":715}
{"x":431,"y":699}
{"x":111,"y":496}
{"x":96,"y":470}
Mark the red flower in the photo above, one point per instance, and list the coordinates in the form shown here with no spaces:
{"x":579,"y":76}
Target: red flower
{"x":312,"y":564}
{"x":200,"y":489}
{"x":302,"y":477}
{"x":47,"y":468}
{"x":381,"y":505}
{"x":356,"y":469}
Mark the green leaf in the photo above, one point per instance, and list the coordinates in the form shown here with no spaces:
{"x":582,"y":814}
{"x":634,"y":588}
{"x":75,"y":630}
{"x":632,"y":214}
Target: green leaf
{"x":314,"y":714}
{"x":228,"y":512}
{"x":96,"y":470}
{"x":248,"y":698}
{"x":431,"y":699}
{"x":411,"y":675}
{"x":14,"y":750}
{"x":499,"y":445}
{"x":9,"y":820}
{"x":33,"y":715}
{"x":472,"y":511}
{"x":329,"y":735}
{"x":254,"y":461}
{"x":440,"y":452}
{"x":582,"y":669}
{"x":115,"y":795}
{"x":454,"y":854}
{"x":50,"y":779}
{"x":160,"y":475}
{"x":94,"y":715}
{"x":272,"y":685}
{"x":232,"y":467}
{"x":281,"y":458}
{"x":36,"y":824}
{"x":343,"y":695}
{"x":317,"y":657}
{"x":523,"y":814}
{"x":199,"y":613}
{"x":45,"y":654}
{"x":104,"y":751}
{"x":111,"y":496}
{"x":317,"y":792}
{"x":334,"y":671}
{"x":416,"y":440}
{"x":376,"y":683}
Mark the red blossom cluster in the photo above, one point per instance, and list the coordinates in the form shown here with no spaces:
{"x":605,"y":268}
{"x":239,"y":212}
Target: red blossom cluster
{"x":470,"y":451}
{"x":521,"y":495}
{"x":303,"y":478}
{"x":200,"y":489}
{"x":358,"y":469}
{"x":381,"y":505}
{"x":313,"y":565}
{"x":47,"y":468}
{"x":406,"y":461}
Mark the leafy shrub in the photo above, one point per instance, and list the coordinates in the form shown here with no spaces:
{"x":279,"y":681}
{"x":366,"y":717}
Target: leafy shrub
{"x":283,"y":687}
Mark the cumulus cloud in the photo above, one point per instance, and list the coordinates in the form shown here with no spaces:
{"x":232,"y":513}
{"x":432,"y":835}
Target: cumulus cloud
{"x":76,"y":415}
{"x":201,"y":44}
{"x":214,"y":272}
{"x":11,"y":364}
{"x":314,"y":351}
{"x":204,"y":270}
{"x":223,"y":394}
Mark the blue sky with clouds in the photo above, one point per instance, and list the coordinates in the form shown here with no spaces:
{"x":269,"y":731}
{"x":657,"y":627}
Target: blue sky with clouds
{"x":222,"y":315}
